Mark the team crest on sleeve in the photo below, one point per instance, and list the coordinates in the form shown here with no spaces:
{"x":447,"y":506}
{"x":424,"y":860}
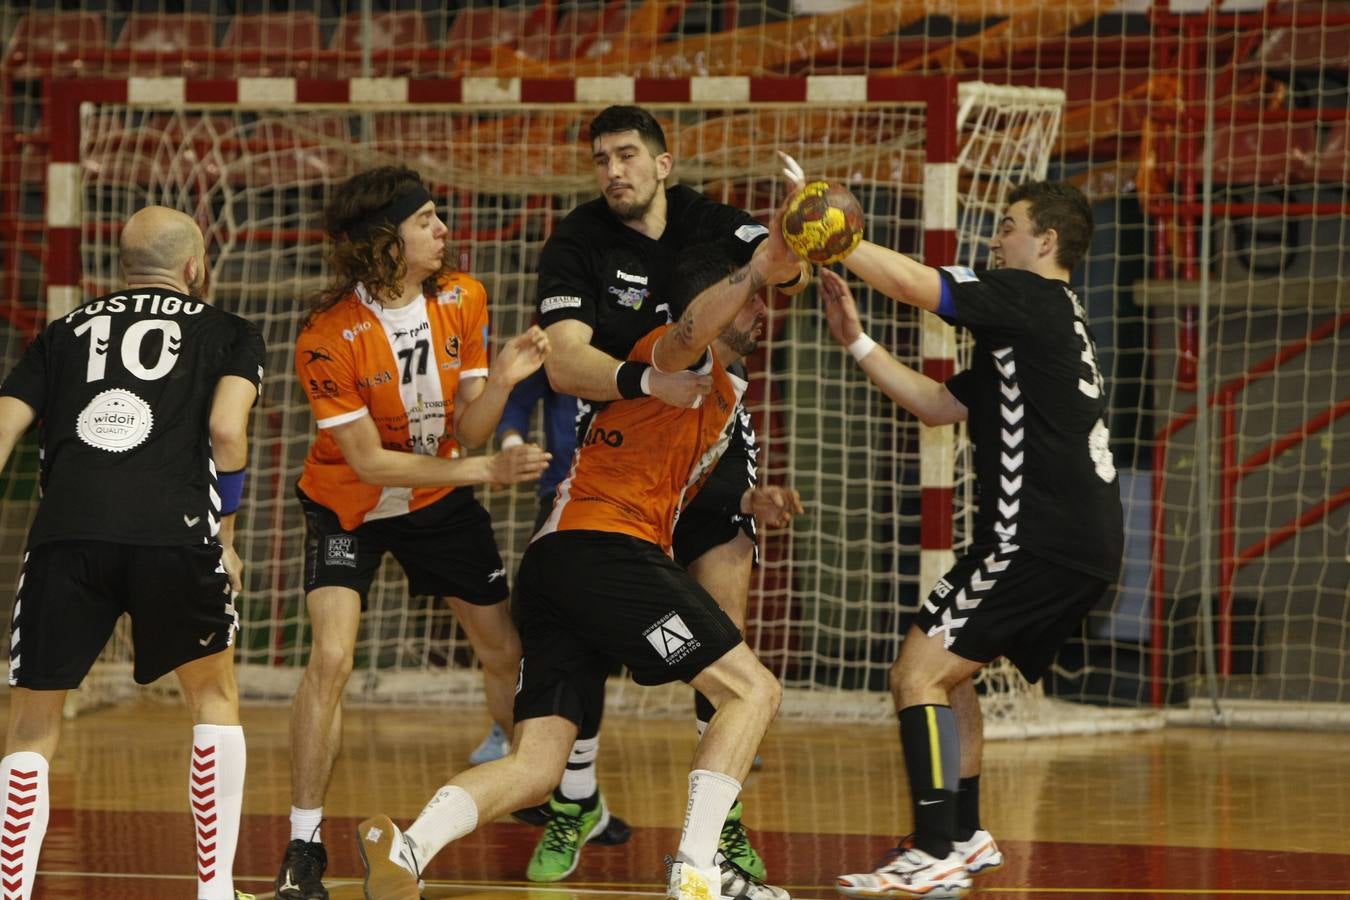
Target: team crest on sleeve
{"x":452,"y":351}
{"x":553,"y":304}
{"x":452,"y":296}
{"x":115,"y":420}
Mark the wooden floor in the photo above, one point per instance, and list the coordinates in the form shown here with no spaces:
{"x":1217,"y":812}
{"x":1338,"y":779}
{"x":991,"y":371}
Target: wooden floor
{"x":1176,"y":813}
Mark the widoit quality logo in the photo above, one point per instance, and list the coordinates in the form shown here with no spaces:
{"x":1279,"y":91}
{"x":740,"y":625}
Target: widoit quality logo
{"x":115,"y":420}
{"x":671,"y":638}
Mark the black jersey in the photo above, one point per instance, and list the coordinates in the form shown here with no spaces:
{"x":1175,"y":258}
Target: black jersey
{"x":122,"y":388}
{"x":619,"y":281}
{"x":1037,"y":419}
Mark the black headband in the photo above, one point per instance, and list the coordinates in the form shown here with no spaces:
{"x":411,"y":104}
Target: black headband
{"x":406,"y":202}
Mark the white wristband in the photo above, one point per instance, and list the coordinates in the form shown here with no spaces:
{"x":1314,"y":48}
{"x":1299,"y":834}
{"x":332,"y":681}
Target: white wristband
{"x":861,"y":346}
{"x":646,"y":381}
{"x":512,"y":440}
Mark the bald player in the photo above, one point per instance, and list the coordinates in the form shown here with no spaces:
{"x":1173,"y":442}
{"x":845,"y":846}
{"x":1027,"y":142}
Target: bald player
{"x":142,"y":399}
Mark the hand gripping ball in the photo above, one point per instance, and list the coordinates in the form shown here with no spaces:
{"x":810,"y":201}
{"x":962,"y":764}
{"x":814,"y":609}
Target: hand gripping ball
{"x":823,"y":222}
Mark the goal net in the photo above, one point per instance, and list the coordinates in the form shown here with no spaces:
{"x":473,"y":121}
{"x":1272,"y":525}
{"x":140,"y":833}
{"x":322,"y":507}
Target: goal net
{"x":932,"y":166}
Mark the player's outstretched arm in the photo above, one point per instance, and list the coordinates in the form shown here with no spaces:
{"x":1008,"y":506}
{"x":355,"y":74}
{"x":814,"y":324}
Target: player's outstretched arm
{"x":359,"y":442}
{"x":896,"y":275}
{"x":923,"y":396}
{"x":479,"y":402}
{"x":15,"y":418}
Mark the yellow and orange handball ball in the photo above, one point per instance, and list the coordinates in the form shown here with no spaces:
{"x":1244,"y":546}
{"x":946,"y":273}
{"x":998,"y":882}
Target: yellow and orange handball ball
{"x":823,"y":222}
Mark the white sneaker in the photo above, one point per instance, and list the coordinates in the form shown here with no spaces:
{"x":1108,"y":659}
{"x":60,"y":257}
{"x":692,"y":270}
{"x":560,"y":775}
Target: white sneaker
{"x":912,"y":873}
{"x":980,"y":852}
{"x":685,"y":881}
{"x":391,"y":867}
{"x":494,"y":746}
{"x":738,"y":885}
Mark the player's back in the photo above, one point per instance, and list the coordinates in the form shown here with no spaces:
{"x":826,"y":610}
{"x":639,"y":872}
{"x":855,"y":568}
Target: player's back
{"x":123,"y":388}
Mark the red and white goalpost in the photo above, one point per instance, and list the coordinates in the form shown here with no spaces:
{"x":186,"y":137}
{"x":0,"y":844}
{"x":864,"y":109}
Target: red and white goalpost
{"x":255,"y":159}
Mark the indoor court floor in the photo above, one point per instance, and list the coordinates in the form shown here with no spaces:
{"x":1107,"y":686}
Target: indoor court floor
{"x":1177,"y":813}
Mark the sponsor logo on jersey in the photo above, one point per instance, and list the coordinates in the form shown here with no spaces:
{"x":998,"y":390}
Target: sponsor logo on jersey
{"x":413,"y":332}
{"x":349,"y":334}
{"x":610,"y":437}
{"x":325,"y":388}
{"x":115,"y":420}
{"x":341,"y":550}
{"x":631,"y":297}
{"x":318,"y":354}
{"x":452,"y":296}
{"x":748,"y":233}
{"x":553,"y":304}
{"x":624,"y":276}
{"x":369,"y":381}
{"x":942,"y":588}
{"x":961,"y":274}
{"x":671,"y":638}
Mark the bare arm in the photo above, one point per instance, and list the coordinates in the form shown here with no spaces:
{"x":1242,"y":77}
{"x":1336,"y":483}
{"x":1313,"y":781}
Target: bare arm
{"x":15,"y":418}
{"x":896,"y":275}
{"x":575,"y":367}
{"x":230,"y":408}
{"x":713,"y":309}
{"x":359,"y":442}
{"x":925,"y":397}
{"x":479,"y":402}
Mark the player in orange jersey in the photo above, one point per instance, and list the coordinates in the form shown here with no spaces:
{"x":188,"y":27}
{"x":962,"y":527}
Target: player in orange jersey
{"x":597,"y":585}
{"x":394,"y":359}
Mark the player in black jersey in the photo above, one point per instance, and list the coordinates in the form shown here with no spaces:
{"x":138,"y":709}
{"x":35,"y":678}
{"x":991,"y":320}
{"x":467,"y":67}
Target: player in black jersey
{"x":1048,"y":535}
{"x":608,"y":275}
{"x":143,"y":398}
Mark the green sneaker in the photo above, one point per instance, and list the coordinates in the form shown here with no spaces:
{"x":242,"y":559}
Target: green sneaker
{"x":735,"y":845}
{"x":559,"y":850}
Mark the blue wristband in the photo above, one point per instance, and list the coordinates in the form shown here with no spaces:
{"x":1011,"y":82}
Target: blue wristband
{"x":946,"y":303}
{"x":231,"y":486}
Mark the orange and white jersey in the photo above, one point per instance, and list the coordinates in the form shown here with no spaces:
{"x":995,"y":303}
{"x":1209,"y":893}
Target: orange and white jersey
{"x":639,"y":458}
{"x":402,"y":367}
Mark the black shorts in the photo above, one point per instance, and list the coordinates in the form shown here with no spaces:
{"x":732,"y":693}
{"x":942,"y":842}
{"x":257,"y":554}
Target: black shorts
{"x":446,"y":549}
{"x":699,"y":531}
{"x":585,"y":599}
{"x":71,"y":594}
{"x":713,"y":517}
{"x":999,"y":602}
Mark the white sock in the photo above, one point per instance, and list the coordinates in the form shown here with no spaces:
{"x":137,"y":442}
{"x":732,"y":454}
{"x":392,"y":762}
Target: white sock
{"x":578,"y":781}
{"x":216,"y":795}
{"x":27,"y":806}
{"x":449,"y":816}
{"x":305,"y":824}
{"x":711,"y":795}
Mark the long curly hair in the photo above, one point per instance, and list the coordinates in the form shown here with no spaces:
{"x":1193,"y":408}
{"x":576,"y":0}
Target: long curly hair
{"x":374,"y":255}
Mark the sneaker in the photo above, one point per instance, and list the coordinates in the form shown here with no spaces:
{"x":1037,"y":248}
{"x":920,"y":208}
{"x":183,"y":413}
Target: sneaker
{"x":616,"y":832}
{"x":980,"y":852}
{"x":911,"y":873}
{"x":737,"y":884}
{"x":494,"y":746}
{"x":391,"y":867}
{"x":734,"y":844}
{"x":559,"y":850}
{"x":240,"y":895}
{"x":685,"y":881}
{"x":301,"y":876}
{"x":537,"y":816}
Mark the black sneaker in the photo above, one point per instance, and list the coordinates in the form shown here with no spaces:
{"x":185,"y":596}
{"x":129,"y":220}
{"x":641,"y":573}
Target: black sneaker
{"x":301,"y":876}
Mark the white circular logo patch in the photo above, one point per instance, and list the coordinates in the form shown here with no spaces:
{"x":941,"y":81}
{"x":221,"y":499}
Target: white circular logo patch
{"x":115,"y":420}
